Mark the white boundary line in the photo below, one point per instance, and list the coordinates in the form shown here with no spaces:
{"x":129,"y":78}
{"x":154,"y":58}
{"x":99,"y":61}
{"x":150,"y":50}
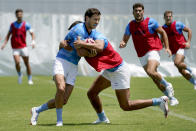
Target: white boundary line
{"x":152,"y":108}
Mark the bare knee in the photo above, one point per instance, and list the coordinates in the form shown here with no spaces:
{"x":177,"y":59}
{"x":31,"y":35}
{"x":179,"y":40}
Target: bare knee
{"x":177,"y":64}
{"x":91,"y":94}
{"x":125,"y":107}
{"x":60,"y":88}
{"x":150,"y":72}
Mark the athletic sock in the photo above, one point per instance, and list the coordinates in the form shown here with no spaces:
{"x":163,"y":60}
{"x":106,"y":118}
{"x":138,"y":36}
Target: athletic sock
{"x":19,"y":73}
{"x":164,"y":82}
{"x":41,"y":108}
{"x":189,"y":69}
{"x":101,"y":116}
{"x":59,"y":114}
{"x":165,"y":93}
{"x":29,"y":77}
{"x":156,"y":101}
{"x":193,"y":81}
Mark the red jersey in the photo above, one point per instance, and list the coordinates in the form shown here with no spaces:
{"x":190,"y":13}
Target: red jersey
{"x":176,"y":40}
{"x":143,"y":40}
{"x":107,"y":59}
{"x":18,"y":39}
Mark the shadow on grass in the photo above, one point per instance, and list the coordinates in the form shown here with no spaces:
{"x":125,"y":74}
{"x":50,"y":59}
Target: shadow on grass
{"x":87,"y":124}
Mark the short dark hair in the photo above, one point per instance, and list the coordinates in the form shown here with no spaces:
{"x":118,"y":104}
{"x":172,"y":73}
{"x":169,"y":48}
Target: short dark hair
{"x":18,"y":10}
{"x":73,"y":24}
{"x":90,"y":12}
{"x":136,"y":5}
{"x":167,"y":12}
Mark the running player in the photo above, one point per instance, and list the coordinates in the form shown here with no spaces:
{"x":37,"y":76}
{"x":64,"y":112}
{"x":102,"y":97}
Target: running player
{"x":115,"y":74}
{"x":147,"y":45}
{"x":179,"y":45}
{"x":64,"y":71}
{"x":18,"y":31}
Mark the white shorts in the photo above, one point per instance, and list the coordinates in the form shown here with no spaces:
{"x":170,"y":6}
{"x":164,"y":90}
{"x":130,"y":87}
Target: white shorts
{"x":66,"y":68}
{"x":21,"y":52}
{"x":180,"y":52}
{"x":120,"y":79}
{"x":151,"y":55}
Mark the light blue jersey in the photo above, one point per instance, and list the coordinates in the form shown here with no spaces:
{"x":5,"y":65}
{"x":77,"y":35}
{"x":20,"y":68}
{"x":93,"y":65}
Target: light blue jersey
{"x":19,"y":25}
{"x":179,"y":26}
{"x":81,"y":31}
{"x":152,"y":26}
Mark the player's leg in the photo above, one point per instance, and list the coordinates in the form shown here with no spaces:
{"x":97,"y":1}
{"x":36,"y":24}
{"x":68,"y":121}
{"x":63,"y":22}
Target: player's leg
{"x":18,"y":68}
{"x":99,"y":85}
{"x":128,"y":105}
{"x":183,"y":69}
{"x":28,"y":68}
{"x":25,"y":56}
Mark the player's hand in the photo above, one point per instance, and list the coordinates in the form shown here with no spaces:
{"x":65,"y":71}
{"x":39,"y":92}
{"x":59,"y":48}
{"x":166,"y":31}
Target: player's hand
{"x":3,"y":46}
{"x":168,"y":51}
{"x":33,"y":44}
{"x":77,"y":43}
{"x":122,"y":44}
{"x":187,"y":45}
{"x":92,"y":53}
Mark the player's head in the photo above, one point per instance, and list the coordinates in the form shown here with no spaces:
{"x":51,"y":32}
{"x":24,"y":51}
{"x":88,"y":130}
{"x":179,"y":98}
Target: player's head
{"x":19,"y":14}
{"x":73,"y":24}
{"x":138,"y":11}
{"x":168,"y":15}
{"x":92,"y":17}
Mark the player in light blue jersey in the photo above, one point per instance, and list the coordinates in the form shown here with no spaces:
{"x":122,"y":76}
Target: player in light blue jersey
{"x":64,"y":72}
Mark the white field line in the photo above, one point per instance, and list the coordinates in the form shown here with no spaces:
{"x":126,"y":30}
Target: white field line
{"x":152,"y":108}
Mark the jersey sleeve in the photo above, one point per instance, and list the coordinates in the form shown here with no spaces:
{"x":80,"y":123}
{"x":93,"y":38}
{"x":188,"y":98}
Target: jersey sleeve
{"x":28,"y":26}
{"x":127,"y":30}
{"x":10,"y":29}
{"x":180,"y":25}
{"x":153,"y":24}
{"x":70,"y":38}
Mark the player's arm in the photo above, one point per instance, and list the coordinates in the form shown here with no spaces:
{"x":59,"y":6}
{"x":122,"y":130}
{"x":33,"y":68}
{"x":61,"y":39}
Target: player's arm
{"x":82,"y":52}
{"x":6,"y":40}
{"x":98,"y":45}
{"x":164,"y":38}
{"x":63,"y":44}
{"x":125,"y":38}
{"x":188,"y":30}
{"x":28,"y":28}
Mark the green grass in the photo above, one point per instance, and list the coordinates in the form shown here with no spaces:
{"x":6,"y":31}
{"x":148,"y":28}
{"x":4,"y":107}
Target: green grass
{"x":17,"y":100}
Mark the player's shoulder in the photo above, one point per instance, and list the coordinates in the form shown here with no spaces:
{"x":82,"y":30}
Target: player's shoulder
{"x":152,"y":20}
{"x":178,"y":23}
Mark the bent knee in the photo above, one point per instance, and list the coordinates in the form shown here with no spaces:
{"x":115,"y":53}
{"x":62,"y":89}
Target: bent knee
{"x":150,"y":72}
{"x":125,"y":107}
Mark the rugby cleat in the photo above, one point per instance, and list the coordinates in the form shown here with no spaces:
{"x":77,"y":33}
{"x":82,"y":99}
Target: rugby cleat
{"x":30,"y":82}
{"x":170,"y":91}
{"x":173,"y":101}
{"x":34,"y":116}
{"x":164,"y":105}
{"x":98,"y":121}
{"x":59,"y":123}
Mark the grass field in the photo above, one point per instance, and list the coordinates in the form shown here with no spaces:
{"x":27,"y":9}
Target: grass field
{"x":17,"y":100}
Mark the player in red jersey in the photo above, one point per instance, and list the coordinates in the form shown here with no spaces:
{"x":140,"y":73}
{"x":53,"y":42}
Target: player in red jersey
{"x":179,"y":45}
{"x":18,"y":31}
{"x":115,"y":72}
{"x":144,"y":31}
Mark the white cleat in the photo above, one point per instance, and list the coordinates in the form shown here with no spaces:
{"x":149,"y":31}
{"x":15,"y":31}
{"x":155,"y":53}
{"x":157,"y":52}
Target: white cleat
{"x":34,"y":116}
{"x":20,"y":79}
{"x":98,"y":121}
{"x":194,"y":87}
{"x":59,"y":124}
{"x":164,"y":105}
{"x":173,"y":101}
{"x":170,"y":90}
{"x":30,"y":82}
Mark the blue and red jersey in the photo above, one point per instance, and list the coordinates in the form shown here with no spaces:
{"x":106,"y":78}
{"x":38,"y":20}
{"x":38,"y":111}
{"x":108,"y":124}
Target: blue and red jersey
{"x":107,"y":59}
{"x":18,"y":31}
{"x":144,"y":35}
{"x":175,"y":36}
